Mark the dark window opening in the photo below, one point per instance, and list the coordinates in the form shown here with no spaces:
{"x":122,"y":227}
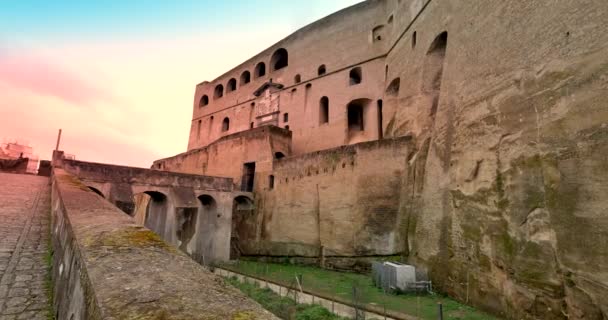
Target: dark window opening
{"x":393,"y":87}
{"x":198,"y":130}
{"x":380,"y":128}
{"x":251,"y":125}
{"x":414,"y":40}
{"x":245,"y":77}
{"x":204,"y":101}
{"x":355,"y":76}
{"x":226,"y":124}
{"x":270,"y":182}
{"x":279,"y":60}
{"x":231,"y":85}
{"x":219,"y":91}
{"x":248,"y":176}
{"x":433,"y":70}
{"x":355,"y":117}
{"x":377,"y":33}
{"x":297,"y":78}
{"x":260,"y":70}
{"x":285,"y":117}
{"x":324,"y":110}
{"x":279,"y":155}
{"x":322,"y":70}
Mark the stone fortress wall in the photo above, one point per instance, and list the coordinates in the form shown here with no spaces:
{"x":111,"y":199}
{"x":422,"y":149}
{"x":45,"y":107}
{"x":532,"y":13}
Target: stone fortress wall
{"x":474,"y":145}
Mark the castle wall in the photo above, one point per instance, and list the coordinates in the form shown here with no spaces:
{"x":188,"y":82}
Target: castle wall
{"x":500,"y":191}
{"x":345,"y":200}
{"x":508,"y":211}
{"x":227,"y":156}
{"x":340,"y":42}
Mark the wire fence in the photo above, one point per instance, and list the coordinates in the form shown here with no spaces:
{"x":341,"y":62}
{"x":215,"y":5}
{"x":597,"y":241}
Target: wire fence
{"x":354,"y":290}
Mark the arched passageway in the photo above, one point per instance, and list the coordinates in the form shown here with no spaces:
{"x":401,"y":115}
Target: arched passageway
{"x":208,"y":225}
{"x":243,"y":225}
{"x":151,"y":210}
{"x":358,"y":120}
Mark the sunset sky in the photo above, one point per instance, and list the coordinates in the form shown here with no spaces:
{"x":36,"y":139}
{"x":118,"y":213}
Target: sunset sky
{"x":118,"y":76}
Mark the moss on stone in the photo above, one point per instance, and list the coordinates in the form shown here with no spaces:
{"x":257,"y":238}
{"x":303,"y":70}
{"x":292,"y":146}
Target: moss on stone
{"x":133,"y":237}
{"x":243,"y":315}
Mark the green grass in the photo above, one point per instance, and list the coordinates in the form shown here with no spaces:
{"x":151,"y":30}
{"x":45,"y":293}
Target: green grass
{"x":339,"y":285}
{"x":283,"y":307}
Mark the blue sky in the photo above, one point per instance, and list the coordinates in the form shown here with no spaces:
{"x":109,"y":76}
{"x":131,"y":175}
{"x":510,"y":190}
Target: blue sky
{"x":118,"y":76}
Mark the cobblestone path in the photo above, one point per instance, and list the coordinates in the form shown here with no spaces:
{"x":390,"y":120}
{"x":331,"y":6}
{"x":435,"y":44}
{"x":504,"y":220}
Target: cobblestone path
{"x":24,"y":233}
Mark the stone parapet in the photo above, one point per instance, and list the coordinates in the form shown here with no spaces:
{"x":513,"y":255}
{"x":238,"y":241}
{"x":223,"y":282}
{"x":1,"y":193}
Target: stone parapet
{"x":105,"y":266}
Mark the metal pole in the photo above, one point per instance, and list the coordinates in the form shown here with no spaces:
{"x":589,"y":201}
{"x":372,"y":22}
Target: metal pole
{"x":58,"y":140}
{"x":440,"y":309}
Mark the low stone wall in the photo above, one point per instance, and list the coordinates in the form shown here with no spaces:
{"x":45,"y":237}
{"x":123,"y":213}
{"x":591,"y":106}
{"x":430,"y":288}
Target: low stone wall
{"x":107,"y":267}
{"x":14,"y":165}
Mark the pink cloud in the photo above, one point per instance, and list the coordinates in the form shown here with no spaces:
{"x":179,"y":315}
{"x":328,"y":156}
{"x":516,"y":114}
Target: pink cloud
{"x":44,"y":77}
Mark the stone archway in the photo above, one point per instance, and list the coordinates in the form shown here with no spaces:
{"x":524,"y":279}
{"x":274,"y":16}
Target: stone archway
{"x":243,"y":226}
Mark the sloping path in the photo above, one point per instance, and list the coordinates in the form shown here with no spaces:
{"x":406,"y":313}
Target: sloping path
{"x":24,"y":233}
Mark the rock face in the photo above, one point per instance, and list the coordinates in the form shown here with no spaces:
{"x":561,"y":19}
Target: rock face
{"x":499,"y":192}
{"x":508,"y":205}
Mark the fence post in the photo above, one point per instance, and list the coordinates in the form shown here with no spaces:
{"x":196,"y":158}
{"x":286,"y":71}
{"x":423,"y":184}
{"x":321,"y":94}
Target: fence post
{"x":440,"y":310}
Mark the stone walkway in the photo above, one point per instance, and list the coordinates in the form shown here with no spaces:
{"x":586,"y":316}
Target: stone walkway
{"x":24,"y":233}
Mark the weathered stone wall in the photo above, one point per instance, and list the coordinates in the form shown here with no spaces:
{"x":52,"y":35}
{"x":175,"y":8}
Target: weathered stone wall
{"x":227,"y":156}
{"x":107,"y":267}
{"x":507,"y":204}
{"x":345,"y":200}
{"x":168,"y":203}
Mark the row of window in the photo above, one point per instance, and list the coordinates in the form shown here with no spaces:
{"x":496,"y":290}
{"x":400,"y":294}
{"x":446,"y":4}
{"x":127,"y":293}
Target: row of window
{"x":355,"y":77}
{"x":279,"y":60}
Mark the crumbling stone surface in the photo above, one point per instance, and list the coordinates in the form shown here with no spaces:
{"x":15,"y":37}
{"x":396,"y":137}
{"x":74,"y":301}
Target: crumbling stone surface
{"x":108,"y":267}
{"x":24,"y":233}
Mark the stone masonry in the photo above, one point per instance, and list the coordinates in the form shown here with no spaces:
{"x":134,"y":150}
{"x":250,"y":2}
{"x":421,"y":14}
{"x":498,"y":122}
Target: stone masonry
{"x":24,"y":216}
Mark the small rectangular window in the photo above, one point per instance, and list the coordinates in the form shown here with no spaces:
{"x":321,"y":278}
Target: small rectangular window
{"x":285,"y":117}
{"x":270,"y":182}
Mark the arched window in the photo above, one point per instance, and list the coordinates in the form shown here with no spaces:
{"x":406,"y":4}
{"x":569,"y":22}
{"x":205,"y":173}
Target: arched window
{"x":260,"y":70}
{"x":378,"y":33}
{"x":355,"y":76}
{"x":355,"y":117}
{"x":414,"y":40}
{"x":225,"y":124}
{"x":321,"y":70}
{"x":393,"y":87}
{"x":297,"y":78}
{"x":219,"y":91}
{"x":433,"y":70}
{"x":204,"y":101}
{"x":324,"y":110}
{"x":198,"y":130}
{"x":279,"y":59}
{"x":231,"y":85}
{"x":245,"y":77}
